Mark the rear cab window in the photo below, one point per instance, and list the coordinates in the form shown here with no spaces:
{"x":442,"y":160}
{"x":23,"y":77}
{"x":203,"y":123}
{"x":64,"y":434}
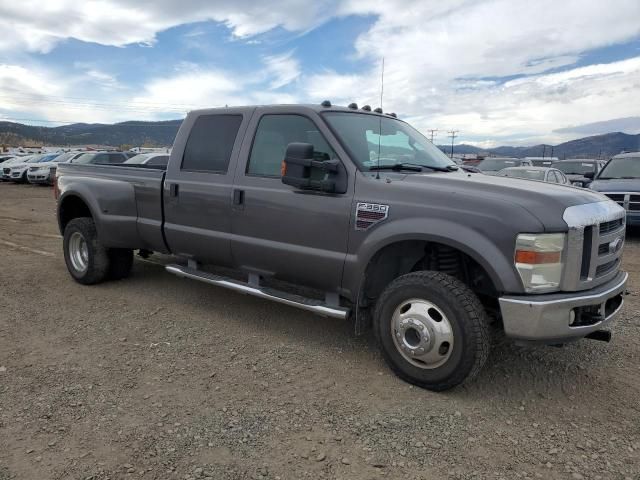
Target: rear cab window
{"x":210,"y":143}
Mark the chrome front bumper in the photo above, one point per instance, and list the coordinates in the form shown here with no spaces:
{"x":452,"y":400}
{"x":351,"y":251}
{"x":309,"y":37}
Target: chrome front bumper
{"x":562,"y":317}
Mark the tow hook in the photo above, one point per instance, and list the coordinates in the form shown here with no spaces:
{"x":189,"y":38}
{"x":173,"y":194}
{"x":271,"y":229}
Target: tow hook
{"x":602,"y":335}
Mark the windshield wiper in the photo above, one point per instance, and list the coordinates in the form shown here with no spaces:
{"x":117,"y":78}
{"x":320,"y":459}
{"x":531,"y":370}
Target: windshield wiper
{"x":413,"y":167}
{"x":616,"y":178}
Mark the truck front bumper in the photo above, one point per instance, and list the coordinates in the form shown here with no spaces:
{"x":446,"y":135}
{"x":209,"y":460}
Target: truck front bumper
{"x":562,"y":317}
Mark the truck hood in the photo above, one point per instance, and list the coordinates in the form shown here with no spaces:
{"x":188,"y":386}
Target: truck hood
{"x":545,"y":201}
{"x":616,"y":185}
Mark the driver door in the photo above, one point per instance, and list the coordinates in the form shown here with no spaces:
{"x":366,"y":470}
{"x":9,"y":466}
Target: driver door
{"x":279,"y":230}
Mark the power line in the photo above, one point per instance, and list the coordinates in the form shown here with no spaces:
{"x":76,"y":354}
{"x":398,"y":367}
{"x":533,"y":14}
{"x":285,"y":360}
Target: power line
{"x":452,"y":134}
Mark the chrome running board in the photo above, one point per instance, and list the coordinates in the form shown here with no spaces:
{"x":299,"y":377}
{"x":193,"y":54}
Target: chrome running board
{"x":311,"y":305}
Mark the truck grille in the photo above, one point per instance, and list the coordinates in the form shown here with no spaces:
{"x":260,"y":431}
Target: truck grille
{"x":627,"y":200}
{"x":595,"y":239}
{"x":612,"y":226}
{"x":606,"y":268}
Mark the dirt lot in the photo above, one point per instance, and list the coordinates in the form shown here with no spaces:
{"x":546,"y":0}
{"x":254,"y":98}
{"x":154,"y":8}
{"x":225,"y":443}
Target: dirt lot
{"x":158,"y":377}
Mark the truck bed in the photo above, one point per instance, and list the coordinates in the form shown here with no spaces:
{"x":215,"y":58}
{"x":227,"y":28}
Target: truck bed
{"x":125,"y":199}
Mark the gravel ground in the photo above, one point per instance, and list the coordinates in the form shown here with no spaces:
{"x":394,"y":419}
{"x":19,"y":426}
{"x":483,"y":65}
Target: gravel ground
{"x":157,"y":377}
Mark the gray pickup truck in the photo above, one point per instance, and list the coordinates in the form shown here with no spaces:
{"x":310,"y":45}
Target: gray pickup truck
{"x":352,"y":213}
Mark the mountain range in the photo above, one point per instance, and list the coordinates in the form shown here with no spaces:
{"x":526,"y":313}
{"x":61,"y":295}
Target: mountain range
{"x":139,"y":133}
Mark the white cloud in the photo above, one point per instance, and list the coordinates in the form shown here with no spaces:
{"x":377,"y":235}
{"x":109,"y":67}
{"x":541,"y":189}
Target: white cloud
{"x":284,"y":69}
{"x":207,"y":88}
{"x":444,"y":60}
{"x":38,"y":26}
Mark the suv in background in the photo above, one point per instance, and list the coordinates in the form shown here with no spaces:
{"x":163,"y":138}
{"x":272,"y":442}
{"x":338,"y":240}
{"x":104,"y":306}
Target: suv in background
{"x":104,"y":158}
{"x":491,"y":166}
{"x":577,"y":169}
{"x":619,"y":180}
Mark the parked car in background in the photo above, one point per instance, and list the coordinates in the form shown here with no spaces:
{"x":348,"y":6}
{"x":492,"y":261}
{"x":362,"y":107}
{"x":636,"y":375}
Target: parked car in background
{"x":150,"y":159}
{"x":4,"y":158}
{"x":104,"y":158}
{"x":576,"y":169}
{"x":45,"y":172}
{"x":18,"y":171}
{"x":5,"y":168}
{"x":491,"y":166}
{"x":619,"y":180}
{"x":541,"y":174}
{"x":541,"y":161}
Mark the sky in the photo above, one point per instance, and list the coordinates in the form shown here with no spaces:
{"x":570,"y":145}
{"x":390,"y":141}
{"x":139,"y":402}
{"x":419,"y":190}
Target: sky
{"x":500,"y":72}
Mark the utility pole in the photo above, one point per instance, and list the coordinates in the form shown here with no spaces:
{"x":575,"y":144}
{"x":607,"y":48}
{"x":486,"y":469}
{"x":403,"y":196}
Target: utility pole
{"x":452,"y":134}
{"x":552,"y":151}
{"x":432,"y":133}
{"x":544,"y":150}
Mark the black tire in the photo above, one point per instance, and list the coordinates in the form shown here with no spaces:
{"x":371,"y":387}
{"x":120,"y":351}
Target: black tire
{"x":97,"y":261}
{"x":464,"y":314}
{"x":120,"y":263}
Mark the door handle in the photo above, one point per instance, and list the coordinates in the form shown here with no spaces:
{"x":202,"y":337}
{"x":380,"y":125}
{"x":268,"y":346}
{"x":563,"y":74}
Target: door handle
{"x":173,"y":189}
{"x":238,"y":196}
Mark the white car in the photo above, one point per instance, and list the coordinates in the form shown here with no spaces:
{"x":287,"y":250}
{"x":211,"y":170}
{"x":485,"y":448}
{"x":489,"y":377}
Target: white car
{"x":18,"y":171}
{"x":45,"y":172}
{"x":5,"y":167}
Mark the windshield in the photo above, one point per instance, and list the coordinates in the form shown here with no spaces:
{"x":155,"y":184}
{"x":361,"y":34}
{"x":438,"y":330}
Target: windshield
{"x":47,"y":158}
{"x":85,"y":158}
{"x":399,"y":143}
{"x":522,"y":173}
{"x":628,"y":167}
{"x":495,"y":164}
{"x":141,"y":158}
{"x":575,"y":168}
{"x":64,"y":157}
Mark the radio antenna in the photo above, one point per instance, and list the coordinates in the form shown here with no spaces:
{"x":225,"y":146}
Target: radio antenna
{"x":380,"y":128}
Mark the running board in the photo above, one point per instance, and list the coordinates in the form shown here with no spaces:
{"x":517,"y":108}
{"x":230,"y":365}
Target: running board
{"x":311,"y":305}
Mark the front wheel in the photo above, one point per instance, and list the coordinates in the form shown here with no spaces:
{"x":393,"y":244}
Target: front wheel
{"x":432,"y":330}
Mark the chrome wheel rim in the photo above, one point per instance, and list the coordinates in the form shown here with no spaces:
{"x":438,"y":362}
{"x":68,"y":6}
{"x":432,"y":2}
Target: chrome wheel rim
{"x":78,"y":252}
{"x":422,"y":333}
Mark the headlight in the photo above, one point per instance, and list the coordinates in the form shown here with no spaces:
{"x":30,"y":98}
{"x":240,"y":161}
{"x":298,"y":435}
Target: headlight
{"x":576,"y":184}
{"x":538,"y":259}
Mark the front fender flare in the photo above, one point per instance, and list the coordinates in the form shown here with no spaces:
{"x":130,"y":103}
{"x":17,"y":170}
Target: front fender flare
{"x":475,"y":244}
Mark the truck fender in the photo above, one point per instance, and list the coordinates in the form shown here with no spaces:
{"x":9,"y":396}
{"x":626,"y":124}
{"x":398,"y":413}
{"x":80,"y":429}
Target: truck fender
{"x":480,"y":248}
{"x":112,"y":205}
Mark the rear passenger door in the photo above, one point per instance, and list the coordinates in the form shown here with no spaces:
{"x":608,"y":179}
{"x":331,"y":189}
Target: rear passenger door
{"x":278,"y":230}
{"x":198,"y":186}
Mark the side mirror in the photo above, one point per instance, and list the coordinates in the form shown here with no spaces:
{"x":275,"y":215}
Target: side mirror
{"x":300,"y":169}
{"x":590,"y":175}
